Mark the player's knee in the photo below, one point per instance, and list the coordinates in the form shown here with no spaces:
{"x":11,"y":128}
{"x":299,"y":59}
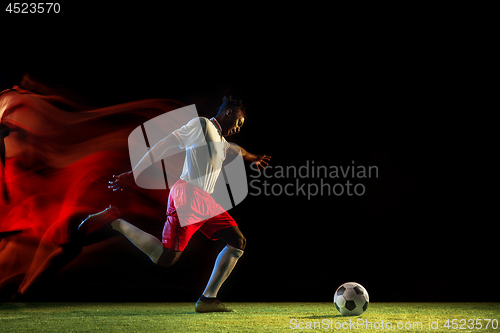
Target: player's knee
{"x":240,"y":243}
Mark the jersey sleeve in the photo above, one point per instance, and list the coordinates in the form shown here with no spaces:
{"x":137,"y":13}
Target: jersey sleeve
{"x":191,"y":134}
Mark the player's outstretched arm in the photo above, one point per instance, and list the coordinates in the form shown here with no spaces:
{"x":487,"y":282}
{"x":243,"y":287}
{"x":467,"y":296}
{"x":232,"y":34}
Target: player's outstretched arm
{"x":261,"y":161}
{"x":157,"y":152}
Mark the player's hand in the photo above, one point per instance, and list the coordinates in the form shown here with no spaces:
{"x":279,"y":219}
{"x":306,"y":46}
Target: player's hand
{"x":262,"y":161}
{"x":122,"y":181}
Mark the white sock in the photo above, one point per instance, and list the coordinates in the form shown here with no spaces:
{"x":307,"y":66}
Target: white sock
{"x":226,"y":260}
{"x":145,"y":242}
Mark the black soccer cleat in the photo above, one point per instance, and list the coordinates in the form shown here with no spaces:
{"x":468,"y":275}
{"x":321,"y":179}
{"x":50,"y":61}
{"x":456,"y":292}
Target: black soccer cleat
{"x":206,"y":304}
{"x":96,"y":221}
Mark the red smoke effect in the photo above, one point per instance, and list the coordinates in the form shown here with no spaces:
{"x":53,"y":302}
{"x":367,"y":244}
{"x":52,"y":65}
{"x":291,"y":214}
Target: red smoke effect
{"x":59,"y":157}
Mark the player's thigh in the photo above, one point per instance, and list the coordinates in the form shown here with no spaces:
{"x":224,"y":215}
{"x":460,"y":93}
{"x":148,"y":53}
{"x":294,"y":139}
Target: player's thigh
{"x":231,"y":236}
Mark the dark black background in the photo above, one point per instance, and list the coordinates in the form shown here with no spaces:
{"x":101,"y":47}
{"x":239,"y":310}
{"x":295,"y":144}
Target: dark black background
{"x":392,"y":96}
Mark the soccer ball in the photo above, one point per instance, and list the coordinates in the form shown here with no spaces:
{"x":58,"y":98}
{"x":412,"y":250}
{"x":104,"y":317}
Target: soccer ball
{"x":351,"y":299}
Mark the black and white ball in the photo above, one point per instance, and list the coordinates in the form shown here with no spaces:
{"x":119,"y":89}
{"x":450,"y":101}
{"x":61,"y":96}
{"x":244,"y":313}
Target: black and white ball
{"x":351,"y":299}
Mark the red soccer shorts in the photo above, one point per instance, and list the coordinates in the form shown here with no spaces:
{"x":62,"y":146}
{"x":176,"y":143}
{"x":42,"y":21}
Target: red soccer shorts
{"x":193,"y":204}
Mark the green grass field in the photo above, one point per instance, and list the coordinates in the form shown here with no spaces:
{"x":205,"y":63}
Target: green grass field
{"x":250,"y":317}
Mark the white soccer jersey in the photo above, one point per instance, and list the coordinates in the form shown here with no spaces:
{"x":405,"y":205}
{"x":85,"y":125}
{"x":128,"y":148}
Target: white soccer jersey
{"x":205,"y":152}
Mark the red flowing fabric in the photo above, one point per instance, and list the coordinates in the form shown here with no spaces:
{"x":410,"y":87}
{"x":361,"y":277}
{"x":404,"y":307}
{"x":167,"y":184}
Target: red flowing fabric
{"x":59,"y":157}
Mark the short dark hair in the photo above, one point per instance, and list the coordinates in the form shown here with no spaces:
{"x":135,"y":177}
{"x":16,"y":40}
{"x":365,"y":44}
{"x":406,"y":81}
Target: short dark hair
{"x":230,"y":103}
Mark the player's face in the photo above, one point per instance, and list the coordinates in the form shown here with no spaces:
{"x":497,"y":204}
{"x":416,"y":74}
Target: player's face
{"x":235,"y":122}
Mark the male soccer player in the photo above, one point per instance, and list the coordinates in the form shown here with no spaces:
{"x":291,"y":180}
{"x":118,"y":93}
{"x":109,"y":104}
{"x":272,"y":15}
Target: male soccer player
{"x":190,"y":205}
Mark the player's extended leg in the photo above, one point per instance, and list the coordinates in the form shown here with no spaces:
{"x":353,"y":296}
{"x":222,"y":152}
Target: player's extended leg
{"x":224,"y":264}
{"x":144,"y":241}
